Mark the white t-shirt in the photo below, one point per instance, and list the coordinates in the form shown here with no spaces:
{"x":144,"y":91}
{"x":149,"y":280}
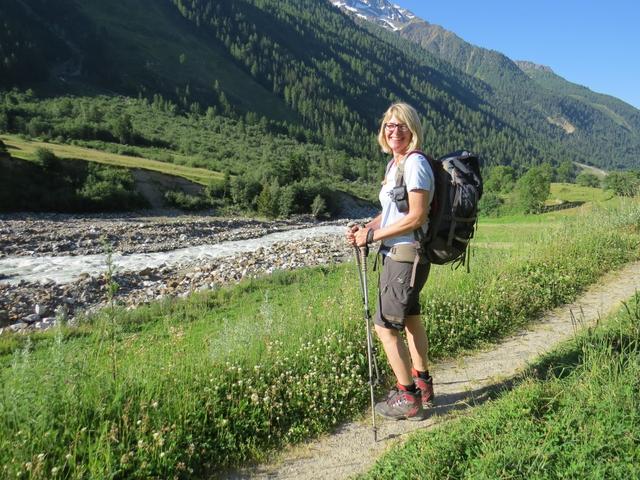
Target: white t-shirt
{"x":417,"y":176}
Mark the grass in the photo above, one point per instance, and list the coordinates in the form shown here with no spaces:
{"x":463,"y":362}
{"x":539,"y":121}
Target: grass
{"x":570,"y":192}
{"x":575,"y":414}
{"x":25,"y":149}
{"x":224,"y":376}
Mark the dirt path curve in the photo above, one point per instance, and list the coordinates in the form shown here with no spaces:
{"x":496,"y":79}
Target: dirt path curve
{"x":459,"y":383}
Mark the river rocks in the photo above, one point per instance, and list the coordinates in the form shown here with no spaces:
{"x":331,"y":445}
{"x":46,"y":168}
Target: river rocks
{"x":4,"y":318}
{"x":61,"y":234}
{"x":33,"y":318}
{"x":88,"y":292}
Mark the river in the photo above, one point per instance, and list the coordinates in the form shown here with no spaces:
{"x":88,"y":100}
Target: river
{"x":65,"y":269}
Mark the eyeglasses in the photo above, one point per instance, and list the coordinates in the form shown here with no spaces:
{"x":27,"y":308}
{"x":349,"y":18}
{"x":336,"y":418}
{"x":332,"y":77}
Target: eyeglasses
{"x":390,"y":127}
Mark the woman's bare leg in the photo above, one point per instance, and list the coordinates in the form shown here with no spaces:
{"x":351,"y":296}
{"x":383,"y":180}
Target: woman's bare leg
{"x":418,"y":342}
{"x":397,"y":354}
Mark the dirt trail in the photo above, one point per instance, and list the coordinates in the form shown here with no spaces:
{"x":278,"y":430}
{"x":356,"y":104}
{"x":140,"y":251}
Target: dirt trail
{"x":458,"y":383}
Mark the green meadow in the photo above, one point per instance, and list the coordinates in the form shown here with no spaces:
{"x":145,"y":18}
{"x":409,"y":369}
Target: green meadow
{"x":25,"y":149}
{"x":186,"y":387}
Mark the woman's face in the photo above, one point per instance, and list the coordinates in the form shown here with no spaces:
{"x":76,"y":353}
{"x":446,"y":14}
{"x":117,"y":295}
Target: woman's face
{"x":398,"y":135}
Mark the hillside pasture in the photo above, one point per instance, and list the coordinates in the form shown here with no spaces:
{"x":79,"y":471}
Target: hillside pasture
{"x":26,"y":149}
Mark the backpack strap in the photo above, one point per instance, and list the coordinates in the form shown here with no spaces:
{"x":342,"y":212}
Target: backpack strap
{"x":387,"y":170}
{"x":418,"y":233}
{"x":400,"y":171}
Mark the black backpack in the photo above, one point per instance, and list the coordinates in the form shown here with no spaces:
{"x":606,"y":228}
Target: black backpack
{"x":454,"y":208}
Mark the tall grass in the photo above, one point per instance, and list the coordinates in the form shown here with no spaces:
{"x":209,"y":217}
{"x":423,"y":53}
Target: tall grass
{"x":232,"y":374}
{"x":577,"y":417}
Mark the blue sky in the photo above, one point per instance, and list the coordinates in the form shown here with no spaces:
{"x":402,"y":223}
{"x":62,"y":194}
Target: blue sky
{"x":590,"y":42}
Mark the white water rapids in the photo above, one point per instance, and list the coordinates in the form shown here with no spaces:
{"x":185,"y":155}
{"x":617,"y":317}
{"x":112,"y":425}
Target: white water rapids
{"x":65,"y":269}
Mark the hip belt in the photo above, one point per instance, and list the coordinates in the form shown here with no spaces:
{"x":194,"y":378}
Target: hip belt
{"x":406,"y":253}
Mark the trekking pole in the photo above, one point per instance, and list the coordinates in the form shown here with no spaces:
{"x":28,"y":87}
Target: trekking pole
{"x":361,"y":260}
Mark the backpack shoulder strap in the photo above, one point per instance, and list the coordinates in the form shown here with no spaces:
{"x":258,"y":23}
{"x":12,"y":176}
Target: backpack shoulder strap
{"x":400,"y":171}
{"x":387,"y":170}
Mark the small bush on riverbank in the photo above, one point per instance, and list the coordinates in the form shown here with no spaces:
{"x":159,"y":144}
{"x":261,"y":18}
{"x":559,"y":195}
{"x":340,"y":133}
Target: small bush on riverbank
{"x":226,"y":376}
{"x":580,"y":421}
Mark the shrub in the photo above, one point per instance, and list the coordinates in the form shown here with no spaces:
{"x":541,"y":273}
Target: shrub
{"x":587,"y":179}
{"x":566,"y":172}
{"x":490,"y":204}
{"x":122,"y":129}
{"x":625,"y":184}
{"x":501,"y":179}
{"x":49,"y":161}
{"x":319,"y":207}
{"x":184,"y":201}
{"x":109,"y":188}
{"x":532,"y":189}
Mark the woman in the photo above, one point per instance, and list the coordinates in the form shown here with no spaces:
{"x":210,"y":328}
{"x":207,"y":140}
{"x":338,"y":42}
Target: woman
{"x":402,"y":278}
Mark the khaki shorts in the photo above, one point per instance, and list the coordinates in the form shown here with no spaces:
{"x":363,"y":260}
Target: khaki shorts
{"x":396,"y":299}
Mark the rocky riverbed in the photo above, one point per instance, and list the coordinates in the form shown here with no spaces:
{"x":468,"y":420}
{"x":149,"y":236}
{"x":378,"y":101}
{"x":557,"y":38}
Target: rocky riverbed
{"x":63,"y":234}
{"x":28,"y":305}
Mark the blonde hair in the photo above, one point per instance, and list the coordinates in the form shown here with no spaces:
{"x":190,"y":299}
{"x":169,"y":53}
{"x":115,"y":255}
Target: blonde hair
{"x":407,"y":115}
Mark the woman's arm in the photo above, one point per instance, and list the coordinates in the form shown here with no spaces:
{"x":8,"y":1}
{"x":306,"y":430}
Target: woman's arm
{"x":413,"y":220}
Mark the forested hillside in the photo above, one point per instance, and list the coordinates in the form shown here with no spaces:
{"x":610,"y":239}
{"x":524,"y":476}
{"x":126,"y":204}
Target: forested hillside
{"x":602,"y":129}
{"x":301,"y":68}
{"x":620,"y":112}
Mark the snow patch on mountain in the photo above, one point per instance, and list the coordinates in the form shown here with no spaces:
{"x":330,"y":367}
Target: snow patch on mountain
{"x":382,"y":12}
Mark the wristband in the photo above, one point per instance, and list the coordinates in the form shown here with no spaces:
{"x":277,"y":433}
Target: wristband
{"x":370,"y":236}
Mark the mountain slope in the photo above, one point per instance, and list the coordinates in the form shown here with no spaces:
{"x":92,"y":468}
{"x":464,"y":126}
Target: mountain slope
{"x":141,"y":47}
{"x":620,"y":112}
{"x":602,"y":129}
{"x":325,"y":77}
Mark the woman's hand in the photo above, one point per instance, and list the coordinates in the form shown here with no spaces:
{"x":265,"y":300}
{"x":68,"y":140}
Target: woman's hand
{"x":361,"y":237}
{"x":351,"y":233}
{"x":357,"y":234}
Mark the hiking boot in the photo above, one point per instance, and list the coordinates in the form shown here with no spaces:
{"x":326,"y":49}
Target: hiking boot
{"x":426,"y":390}
{"x":400,"y":405}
